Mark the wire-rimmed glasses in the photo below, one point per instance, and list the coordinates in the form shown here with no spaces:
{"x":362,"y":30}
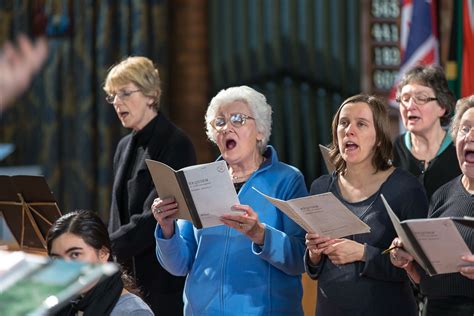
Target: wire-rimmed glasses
{"x":236,"y":119}
{"x":122,"y":95}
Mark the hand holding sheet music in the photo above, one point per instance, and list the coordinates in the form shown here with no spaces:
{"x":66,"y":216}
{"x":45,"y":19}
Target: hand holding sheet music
{"x":323,"y":214}
{"x":203,"y":192}
{"x":435,"y":243}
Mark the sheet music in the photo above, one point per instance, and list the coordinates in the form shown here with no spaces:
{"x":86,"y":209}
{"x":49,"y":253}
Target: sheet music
{"x":212,"y":190}
{"x":207,"y":186}
{"x":323,"y":214}
{"x":439,"y":239}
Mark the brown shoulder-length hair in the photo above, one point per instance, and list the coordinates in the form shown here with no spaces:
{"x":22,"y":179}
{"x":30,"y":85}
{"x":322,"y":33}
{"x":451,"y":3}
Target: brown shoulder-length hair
{"x":382,"y":159}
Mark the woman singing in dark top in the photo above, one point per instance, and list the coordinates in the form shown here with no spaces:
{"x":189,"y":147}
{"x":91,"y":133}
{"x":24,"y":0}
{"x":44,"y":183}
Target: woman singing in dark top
{"x":426,"y":150}
{"x":354,"y":278}
{"x":133,"y":88}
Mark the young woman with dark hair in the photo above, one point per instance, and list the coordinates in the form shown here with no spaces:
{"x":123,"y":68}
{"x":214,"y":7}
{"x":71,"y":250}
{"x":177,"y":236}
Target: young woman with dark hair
{"x":81,"y":235}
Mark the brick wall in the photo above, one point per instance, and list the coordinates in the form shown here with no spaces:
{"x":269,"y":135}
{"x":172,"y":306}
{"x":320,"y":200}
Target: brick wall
{"x":189,"y":71}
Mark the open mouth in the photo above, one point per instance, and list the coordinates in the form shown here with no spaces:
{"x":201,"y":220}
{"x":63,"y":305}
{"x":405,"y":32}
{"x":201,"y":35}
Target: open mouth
{"x":413,"y":118}
{"x":230,"y":144}
{"x":469,"y":156}
{"x":123,"y":115}
{"x":351,"y":146}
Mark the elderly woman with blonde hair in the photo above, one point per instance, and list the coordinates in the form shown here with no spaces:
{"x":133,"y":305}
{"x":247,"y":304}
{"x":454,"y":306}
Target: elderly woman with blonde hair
{"x":252,"y":264}
{"x":133,"y":88}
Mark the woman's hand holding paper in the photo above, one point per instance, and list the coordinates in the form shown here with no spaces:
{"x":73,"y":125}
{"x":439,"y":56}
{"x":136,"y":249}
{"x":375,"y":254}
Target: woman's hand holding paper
{"x":164,"y":212}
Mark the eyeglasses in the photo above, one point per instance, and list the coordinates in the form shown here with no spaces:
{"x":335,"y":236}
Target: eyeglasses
{"x":418,"y":99}
{"x":122,"y":95}
{"x":464,"y":130}
{"x":236,"y":119}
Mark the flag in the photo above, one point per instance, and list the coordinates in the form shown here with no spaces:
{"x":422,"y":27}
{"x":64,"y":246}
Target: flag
{"x":467,"y":75}
{"x":460,"y":64}
{"x":453,"y":65}
{"x":419,"y":42}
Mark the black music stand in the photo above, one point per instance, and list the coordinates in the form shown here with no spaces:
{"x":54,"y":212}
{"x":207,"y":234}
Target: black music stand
{"x":29,"y":209}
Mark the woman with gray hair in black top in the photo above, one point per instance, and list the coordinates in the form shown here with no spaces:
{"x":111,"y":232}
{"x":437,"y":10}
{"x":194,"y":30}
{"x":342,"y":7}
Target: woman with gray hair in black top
{"x":426,"y":150}
{"x":450,"y":294}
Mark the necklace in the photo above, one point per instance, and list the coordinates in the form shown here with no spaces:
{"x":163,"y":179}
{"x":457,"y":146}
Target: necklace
{"x":243,"y":176}
{"x":246,"y":175}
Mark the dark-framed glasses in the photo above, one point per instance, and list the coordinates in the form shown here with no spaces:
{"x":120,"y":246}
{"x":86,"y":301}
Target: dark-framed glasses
{"x":236,"y":119}
{"x":122,"y":95}
{"x":418,"y":99}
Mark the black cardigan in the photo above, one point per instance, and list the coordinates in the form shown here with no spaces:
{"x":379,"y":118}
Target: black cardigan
{"x":132,"y":228}
{"x":442,"y":169}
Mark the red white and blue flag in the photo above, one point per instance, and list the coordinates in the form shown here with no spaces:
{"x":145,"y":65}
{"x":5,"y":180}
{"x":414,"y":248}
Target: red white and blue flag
{"x":418,"y":39}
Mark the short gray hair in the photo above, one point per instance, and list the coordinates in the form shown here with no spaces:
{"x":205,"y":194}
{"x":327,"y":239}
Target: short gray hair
{"x":462,"y":106}
{"x":431,"y":76}
{"x":260,"y":110}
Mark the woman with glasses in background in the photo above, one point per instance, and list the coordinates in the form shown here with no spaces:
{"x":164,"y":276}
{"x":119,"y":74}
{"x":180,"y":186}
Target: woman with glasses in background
{"x":133,"y":88}
{"x":451,"y":293}
{"x":252,"y":264}
{"x":426,"y":149}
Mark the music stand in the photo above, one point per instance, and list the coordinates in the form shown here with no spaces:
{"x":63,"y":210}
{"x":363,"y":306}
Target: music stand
{"x":29,"y":209}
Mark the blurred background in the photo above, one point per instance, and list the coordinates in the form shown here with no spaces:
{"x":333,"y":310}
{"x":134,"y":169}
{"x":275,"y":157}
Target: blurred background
{"x":306,"y":56}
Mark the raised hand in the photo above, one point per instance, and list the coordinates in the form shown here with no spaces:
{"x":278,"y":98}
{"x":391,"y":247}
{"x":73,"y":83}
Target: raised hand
{"x":165,"y":212}
{"x":18,"y":64}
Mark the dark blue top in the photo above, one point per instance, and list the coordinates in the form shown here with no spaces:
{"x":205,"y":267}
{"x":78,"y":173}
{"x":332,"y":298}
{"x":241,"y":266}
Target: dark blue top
{"x":373,"y":287}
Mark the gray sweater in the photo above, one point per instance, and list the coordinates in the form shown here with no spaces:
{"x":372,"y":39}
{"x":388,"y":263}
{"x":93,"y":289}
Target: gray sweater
{"x":451,"y":199}
{"x":130,"y":304}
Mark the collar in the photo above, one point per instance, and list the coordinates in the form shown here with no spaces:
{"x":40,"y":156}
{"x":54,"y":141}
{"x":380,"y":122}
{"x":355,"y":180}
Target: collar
{"x":444,"y":144}
{"x":142,"y":137}
{"x":270,"y":155}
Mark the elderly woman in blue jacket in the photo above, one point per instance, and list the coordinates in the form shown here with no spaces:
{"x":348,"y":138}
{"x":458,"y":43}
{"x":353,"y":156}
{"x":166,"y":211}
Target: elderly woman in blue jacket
{"x":252,"y":264}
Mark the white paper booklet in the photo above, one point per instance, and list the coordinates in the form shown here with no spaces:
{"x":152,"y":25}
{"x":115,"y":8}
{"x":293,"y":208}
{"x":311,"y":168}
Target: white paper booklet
{"x":435,"y":243}
{"x":203,"y":192}
{"x":323,"y":214}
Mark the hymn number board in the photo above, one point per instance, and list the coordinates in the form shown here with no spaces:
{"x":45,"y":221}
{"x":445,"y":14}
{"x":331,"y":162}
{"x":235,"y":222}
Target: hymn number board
{"x":382,"y":57}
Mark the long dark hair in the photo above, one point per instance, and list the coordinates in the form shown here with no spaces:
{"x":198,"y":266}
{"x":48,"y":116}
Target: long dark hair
{"x":87,"y":225}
